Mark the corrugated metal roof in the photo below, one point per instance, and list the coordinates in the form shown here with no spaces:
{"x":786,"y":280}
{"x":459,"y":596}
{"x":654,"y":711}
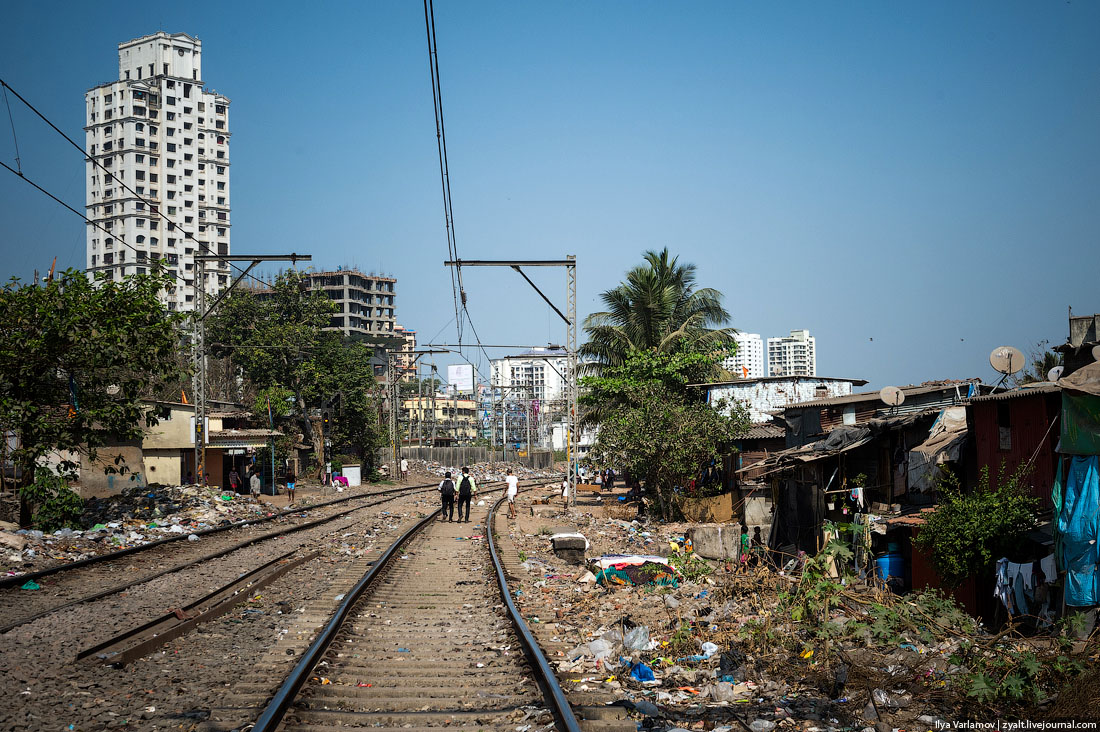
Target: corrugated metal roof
{"x":868,"y":396}
{"x":1041,"y":387}
{"x":764,"y":431}
{"x":759,"y":379}
{"x":237,"y":434}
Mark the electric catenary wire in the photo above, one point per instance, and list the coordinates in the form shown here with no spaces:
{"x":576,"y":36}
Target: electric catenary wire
{"x":457,"y":287}
{"x":18,"y":163}
{"x":179,"y":278}
{"x":444,"y":168}
{"x":154,"y":208}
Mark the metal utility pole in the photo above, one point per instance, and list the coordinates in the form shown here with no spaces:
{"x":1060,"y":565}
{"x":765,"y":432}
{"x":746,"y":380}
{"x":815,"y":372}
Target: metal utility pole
{"x":393,"y":393}
{"x":570,"y":264}
{"x":198,"y":347}
{"x":530,"y":397}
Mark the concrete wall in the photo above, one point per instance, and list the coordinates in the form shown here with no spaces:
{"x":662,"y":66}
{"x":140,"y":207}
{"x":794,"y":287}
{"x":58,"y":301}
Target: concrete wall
{"x":173,"y":433}
{"x":94,"y":481}
{"x":765,"y":396}
{"x":164,"y":466}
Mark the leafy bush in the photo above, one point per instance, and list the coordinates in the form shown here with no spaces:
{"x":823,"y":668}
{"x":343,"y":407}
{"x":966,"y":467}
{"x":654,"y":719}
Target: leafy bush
{"x":56,"y":506}
{"x":969,"y":531}
{"x":689,"y":567}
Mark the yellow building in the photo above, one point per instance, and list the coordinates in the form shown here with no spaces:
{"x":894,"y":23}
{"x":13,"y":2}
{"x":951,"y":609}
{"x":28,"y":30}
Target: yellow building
{"x":454,"y":419}
{"x":166,"y":451}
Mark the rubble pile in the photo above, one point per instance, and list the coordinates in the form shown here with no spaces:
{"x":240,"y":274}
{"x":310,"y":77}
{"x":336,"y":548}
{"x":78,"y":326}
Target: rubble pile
{"x":762,"y":647}
{"x":134,"y":517}
{"x":487,"y":472}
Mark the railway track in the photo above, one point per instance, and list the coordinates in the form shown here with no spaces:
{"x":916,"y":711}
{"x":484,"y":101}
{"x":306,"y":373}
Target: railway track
{"x":15,"y":580}
{"x":105,"y":569}
{"x":428,"y":637}
{"x":148,"y":562}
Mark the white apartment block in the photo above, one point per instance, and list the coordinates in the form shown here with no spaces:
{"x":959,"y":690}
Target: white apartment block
{"x":793,"y":355}
{"x":160,"y":132}
{"x":748,"y":361}
{"x":544,"y":370}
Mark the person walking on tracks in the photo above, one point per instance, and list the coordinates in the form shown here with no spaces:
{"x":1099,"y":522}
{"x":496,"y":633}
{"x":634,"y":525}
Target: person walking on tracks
{"x":467,"y":487}
{"x":255,"y":483}
{"x":447,"y":494}
{"x":513,"y":489}
{"x":404,"y":470}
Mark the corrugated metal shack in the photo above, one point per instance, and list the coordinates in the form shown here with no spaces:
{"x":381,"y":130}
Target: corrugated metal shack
{"x":1019,"y":427}
{"x":853,"y":457}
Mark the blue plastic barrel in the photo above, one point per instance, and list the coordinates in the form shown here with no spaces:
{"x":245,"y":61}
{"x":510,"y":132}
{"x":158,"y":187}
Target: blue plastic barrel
{"x":890,"y":565}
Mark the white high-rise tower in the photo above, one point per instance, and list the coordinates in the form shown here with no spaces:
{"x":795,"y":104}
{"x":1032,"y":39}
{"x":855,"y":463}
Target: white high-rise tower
{"x":795,"y":355}
{"x":748,"y":361}
{"x":159,"y":131}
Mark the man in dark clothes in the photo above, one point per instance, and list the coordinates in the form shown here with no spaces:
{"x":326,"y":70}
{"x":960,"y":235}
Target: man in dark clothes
{"x":467,"y":487}
{"x":447,"y":493}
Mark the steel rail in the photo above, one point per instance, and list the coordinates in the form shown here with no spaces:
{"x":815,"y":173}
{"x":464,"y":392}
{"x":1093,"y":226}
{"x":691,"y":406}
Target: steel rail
{"x":548,"y":680}
{"x":276,"y":709}
{"x":272,"y":715}
{"x":411,"y":490}
{"x":6,"y":582}
{"x":172,"y":625}
{"x":126,"y":635}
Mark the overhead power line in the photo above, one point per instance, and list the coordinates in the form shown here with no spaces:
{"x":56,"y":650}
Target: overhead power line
{"x":444,"y":167}
{"x":457,"y":287}
{"x":153,"y":207}
{"x":121,"y":240}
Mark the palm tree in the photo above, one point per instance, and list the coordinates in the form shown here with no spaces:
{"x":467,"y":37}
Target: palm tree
{"x":656,"y":308}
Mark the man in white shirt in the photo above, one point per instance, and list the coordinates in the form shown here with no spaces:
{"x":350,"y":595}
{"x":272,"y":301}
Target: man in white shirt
{"x":513,"y":489}
{"x":404,"y":470}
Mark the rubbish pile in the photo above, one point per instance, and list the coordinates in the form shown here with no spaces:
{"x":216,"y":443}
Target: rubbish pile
{"x":488,"y":472}
{"x":761,"y":647}
{"x":137,"y":516}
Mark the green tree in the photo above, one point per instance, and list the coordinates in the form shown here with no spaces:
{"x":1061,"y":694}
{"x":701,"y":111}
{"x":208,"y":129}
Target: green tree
{"x":656,"y":308}
{"x":969,"y":531}
{"x":280,"y":344}
{"x":344,"y":375}
{"x":76,"y":359}
{"x":655,"y":425}
{"x":1040,"y":361}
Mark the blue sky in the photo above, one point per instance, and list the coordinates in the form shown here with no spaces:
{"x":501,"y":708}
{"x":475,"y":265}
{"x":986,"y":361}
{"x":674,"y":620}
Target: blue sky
{"x":925,"y":175}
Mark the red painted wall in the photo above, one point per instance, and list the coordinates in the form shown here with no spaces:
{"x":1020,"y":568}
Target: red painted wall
{"x":1029,"y":419}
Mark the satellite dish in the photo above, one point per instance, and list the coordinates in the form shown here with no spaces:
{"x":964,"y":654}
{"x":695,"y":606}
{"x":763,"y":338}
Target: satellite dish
{"x":1096,"y":353}
{"x":1055,"y":373}
{"x":1006,"y":359}
{"x":892,"y":395}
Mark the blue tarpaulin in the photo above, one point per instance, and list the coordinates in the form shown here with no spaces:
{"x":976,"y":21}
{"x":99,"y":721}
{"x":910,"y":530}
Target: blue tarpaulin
{"x":1079,"y":526}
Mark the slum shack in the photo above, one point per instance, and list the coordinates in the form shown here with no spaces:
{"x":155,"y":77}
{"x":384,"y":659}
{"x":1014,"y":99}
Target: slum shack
{"x":858,"y":463}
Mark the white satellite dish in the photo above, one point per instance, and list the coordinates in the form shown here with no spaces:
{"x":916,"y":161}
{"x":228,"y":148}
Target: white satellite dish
{"x":1055,"y":373}
{"x":1007,"y":360}
{"x":1096,"y":353}
{"x":892,"y":395}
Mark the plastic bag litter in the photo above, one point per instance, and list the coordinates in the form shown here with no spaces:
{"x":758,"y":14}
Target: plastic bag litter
{"x":722,"y":692}
{"x":193,"y":537}
{"x":600,"y":648}
{"x":637,"y":638}
{"x":641,"y":672}
{"x":709,"y":649}
{"x":888,"y":700}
